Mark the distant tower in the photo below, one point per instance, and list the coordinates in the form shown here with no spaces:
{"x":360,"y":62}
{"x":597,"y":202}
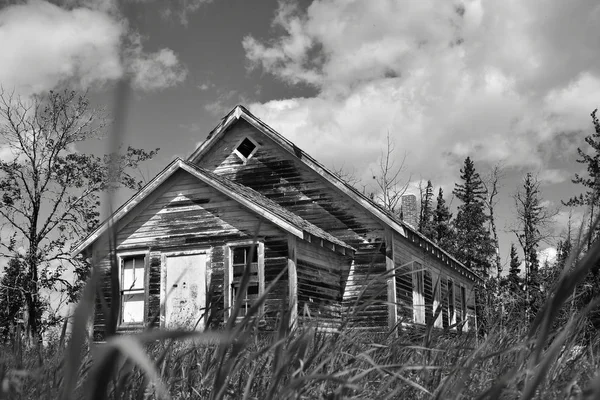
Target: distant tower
{"x":409,"y":211}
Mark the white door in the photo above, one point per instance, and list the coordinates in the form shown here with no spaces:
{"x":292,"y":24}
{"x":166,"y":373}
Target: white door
{"x":185,"y":303}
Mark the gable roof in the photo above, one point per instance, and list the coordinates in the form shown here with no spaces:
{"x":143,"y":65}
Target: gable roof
{"x":252,"y":200}
{"x":383,"y":215}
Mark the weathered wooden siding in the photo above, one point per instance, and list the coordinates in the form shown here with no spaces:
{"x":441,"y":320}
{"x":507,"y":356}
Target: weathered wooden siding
{"x":276,"y":261}
{"x":187,"y":214}
{"x":190,"y":213}
{"x":103,"y":301}
{"x":365,"y":296}
{"x":320,"y":276}
{"x":281,"y":177}
{"x":405,"y":253}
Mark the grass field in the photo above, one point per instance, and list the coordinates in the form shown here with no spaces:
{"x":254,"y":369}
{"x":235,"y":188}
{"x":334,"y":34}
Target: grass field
{"x":514,"y":360}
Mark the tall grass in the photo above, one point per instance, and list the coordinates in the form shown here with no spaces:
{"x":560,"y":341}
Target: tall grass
{"x":241,"y":360}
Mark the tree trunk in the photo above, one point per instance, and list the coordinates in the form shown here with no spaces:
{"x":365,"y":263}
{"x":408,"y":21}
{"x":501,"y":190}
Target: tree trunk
{"x":32,"y":303}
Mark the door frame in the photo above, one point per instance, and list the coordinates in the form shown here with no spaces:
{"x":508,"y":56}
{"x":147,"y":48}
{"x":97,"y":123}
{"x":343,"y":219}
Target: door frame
{"x":163,"y":275}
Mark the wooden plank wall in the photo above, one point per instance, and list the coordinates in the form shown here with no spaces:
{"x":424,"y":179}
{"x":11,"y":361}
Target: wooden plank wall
{"x":365,"y":295}
{"x":405,"y":252}
{"x":275,"y":261}
{"x":191,"y":215}
{"x":320,"y":274}
{"x":281,"y":177}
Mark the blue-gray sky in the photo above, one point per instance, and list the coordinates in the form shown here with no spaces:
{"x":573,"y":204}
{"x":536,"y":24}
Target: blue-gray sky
{"x":502,"y":81}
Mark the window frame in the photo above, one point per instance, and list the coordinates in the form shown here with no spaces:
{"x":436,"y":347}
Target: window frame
{"x":463,"y":301}
{"x":240,"y":155}
{"x":418,"y":276}
{"x":229,"y":281}
{"x":436,"y":282}
{"x":122,"y":256}
{"x":451,"y":302}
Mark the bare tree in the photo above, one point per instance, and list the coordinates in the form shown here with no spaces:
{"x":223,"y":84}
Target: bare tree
{"x":49,"y":192}
{"x":492,"y":185}
{"x":349,"y":176}
{"x":389,"y":185}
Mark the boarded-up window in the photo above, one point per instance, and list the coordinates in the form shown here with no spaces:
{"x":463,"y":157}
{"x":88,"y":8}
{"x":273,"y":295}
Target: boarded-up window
{"x":418,"y":293}
{"x":133,"y":280}
{"x":245,"y":259}
{"x":450,"y":300}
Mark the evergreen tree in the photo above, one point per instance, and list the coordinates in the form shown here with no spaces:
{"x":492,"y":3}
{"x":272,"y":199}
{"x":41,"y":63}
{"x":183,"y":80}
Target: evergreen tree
{"x":12,"y":300}
{"x":591,"y":182}
{"x":474,"y":246}
{"x":533,"y":226}
{"x":443,"y":234}
{"x":563,"y":252}
{"x":589,"y":289}
{"x":426,"y":226}
{"x":514,"y":278}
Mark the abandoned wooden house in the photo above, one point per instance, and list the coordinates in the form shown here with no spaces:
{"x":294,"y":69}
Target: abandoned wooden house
{"x":186,"y":238}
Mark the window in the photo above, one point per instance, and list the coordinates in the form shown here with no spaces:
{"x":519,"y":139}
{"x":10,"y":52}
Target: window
{"x":437,"y":312}
{"x":418,"y":293}
{"x":246,"y":258}
{"x":451,"y":313}
{"x":246,"y":149}
{"x":463,"y":304}
{"x":133,"y":279}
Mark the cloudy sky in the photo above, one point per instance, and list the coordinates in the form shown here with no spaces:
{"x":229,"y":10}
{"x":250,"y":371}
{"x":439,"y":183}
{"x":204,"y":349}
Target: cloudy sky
{"x":502,"y":81}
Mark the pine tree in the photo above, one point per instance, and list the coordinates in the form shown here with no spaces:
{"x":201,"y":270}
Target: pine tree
{"x":474,"y":246}
{"x":426,"y":226}
{"x":12,"y":300}
{"x":514,"y":278}
{"x":591,"y":182}
{"x":533,"y":226}
{"x":443,"y":233}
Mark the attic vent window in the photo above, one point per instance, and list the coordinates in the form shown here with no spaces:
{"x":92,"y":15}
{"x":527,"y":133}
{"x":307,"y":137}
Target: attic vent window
{"x":246,"y":149}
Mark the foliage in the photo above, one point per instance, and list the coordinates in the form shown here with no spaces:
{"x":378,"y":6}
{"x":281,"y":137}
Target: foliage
{"x":49,"y":191}
{"x":533,"y":226}
{"x":12,"y":300}
{"x":514,"y":278}
{"x":590,"y":288}
{"x":474,"y":246}
{"x":591,"y":182}
{"x":444,"y":234}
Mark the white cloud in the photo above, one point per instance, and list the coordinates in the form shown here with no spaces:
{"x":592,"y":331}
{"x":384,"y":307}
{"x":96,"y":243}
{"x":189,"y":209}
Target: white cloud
{"x":156,"y":70}
{"x":493,"y":80}
{"x":551,"y":176}
{"x":44,"y":45}
{"x":181,"y":9}
{"x":204,"y":86}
